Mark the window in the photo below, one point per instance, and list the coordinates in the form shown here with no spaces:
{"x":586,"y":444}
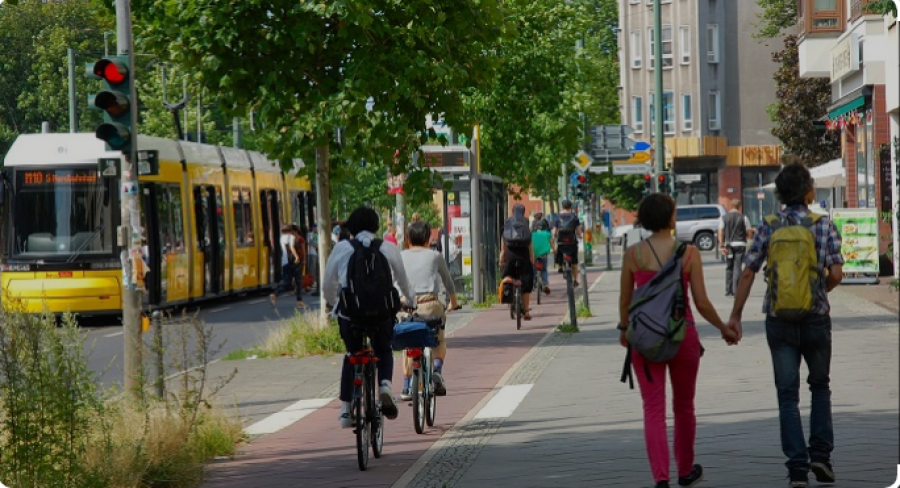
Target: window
{"x":667,"y":62}
{"x":685,"y":214}
{"x":668,"y":103}
{"x":708,"y":213}
{"x":637,"y":114}
{"x":826,"y":15}
{"x":712,"y":43}
{"x":687,"y":116}
{"x":243,"y":217}
{"x":684,"y":40}
{"x":636,"y":49}
{"x":652,"y":99}
{"x":715,"y":110}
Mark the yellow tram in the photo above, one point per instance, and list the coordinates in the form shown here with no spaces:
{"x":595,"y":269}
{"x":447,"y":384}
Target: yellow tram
{"x":211,"y":217}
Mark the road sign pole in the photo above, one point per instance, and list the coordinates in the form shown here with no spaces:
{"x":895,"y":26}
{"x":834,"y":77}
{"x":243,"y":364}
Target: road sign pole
{"x":658,"y":95}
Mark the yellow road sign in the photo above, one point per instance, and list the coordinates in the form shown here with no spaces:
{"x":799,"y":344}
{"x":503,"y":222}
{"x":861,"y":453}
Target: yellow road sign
{"x":582,"y":161}
{"x":638,"y":157}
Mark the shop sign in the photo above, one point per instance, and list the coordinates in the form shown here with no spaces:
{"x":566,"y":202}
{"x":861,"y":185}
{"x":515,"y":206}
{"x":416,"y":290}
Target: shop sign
{"x":859,"y":238}
{"x":845,"y":57}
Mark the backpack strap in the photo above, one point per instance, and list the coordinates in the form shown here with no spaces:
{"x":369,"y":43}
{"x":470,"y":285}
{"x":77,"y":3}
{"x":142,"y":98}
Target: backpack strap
{"x":774,"y":222}
{"x":626,"y":369}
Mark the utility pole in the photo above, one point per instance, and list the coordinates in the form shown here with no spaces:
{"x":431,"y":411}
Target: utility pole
{"x":73,"y":110}
{"x":475,"y":233}
{"x":658,"y":92}
{"x":131,"y":217}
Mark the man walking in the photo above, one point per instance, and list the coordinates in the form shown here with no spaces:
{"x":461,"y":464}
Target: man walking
{"x":734,"y":230}
{"x":798,"y":247}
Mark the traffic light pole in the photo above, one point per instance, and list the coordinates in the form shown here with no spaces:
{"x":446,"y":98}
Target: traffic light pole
{"x":658,"y":93}
{"x":131,"y":218}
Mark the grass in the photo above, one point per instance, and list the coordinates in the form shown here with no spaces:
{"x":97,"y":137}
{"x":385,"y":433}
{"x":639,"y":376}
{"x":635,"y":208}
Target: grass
{"x":298,"y":336}
{"x":152,"y":446}
{"x":567,"y":328}
{"x":894,"y":285}
{"x":582,"y":311}
{"x":489,"y":301}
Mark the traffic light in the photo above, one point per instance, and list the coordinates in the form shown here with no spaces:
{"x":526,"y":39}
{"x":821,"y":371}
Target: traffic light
{"x":662,"y":183}
{"x":581,"y":188}
{"x":648,"y":185}
{"x":115,"y":101}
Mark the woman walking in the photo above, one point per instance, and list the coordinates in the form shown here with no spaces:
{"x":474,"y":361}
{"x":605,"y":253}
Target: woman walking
{"x":641,"y":262}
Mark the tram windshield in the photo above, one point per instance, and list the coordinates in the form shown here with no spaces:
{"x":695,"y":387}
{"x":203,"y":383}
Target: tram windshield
{"x":61,"y":213}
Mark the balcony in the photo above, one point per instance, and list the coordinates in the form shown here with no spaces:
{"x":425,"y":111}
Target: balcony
{"x":822,"y":16}
{"x":857,"y":8}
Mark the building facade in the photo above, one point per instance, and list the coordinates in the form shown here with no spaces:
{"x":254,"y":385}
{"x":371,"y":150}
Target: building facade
{"x":842,"y":41}
{"x":717,"y":84}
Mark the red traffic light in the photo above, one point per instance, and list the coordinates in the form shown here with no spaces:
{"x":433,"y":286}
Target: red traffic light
{"x":581,"y":179}
{"x":646,"y":176}
{"x":661,"y":178}
{"x":114,"y":72}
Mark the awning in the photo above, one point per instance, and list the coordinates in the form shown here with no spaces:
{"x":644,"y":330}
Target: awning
{"x":852,"y":101}
{"x":829,"y":175}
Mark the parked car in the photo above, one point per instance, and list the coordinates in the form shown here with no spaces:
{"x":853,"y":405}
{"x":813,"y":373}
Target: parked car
{"x":699,"y":224}
{"x":620,"y":231}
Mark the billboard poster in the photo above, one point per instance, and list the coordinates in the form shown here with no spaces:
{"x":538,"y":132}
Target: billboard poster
{"x":859,"y":233}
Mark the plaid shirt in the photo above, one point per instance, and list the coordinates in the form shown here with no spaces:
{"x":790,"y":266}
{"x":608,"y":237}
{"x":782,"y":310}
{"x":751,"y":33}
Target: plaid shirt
{"x":828,"y":249}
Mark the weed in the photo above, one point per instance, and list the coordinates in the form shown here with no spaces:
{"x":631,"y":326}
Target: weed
{"x":582,"y":311}
{"x":489,"y":301}
{"x":567,"y":328}
{"x":894,"y":285}
{"x":242,"y":354}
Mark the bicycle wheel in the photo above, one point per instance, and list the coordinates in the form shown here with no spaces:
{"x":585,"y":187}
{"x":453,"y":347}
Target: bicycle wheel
{"x":428,"y":390}
{"x":377,"y":420}
{"x":415,"y":386}
{"x":362,"y":431}
{"x":519,"y":307}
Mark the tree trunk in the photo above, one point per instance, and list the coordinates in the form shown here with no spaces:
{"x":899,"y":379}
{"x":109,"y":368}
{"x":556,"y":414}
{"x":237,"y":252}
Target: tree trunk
{"x":323,"y":209}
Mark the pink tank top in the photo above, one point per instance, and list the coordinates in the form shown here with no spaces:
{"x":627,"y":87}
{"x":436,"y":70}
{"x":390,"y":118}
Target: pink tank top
{"x":642,"y":276}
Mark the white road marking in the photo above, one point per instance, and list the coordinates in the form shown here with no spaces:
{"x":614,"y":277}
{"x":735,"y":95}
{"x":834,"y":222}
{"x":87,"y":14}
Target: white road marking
{"x":504,"y":403}
{"x":258,"y":300}
{"x":285,"y":418}
{"x":596,"y":282}
{"x":114,"y":334}
{"x":220,"y":309}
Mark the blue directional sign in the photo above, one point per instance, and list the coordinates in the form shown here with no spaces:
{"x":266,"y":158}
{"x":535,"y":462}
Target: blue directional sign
{"x":641,"y":146}
{"x":573,"y":178}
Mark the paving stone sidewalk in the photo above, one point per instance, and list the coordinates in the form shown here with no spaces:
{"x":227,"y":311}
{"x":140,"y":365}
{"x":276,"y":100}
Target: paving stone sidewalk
{"x":579,"y":426}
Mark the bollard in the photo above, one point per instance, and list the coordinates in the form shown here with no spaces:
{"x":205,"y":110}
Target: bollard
{"x":570,"y":292}
{"x":608,"y":251}
{"x":584,"y":286}
{"x":156,"y":324}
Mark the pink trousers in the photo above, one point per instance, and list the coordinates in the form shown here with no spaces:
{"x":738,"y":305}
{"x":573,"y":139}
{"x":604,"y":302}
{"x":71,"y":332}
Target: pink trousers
{"x":683,"y":372}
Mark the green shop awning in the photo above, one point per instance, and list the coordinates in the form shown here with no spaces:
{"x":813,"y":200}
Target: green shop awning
{"x":847,"y":107}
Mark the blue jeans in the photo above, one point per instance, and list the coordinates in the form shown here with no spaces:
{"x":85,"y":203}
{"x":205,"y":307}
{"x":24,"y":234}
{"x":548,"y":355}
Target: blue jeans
{"x":545,"y":279}
{"x":809,"y":339}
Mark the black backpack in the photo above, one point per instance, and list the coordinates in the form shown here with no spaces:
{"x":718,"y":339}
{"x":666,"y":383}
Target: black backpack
{"x":370,"y":295}
{"x":565,"y":234}
{"x":516,"y":232}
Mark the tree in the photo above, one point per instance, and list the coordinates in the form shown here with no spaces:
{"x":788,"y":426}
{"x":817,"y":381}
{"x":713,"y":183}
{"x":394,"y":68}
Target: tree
{"x":776,"y":16}
{"x":801,"y":102}
{"x":530,"y":114}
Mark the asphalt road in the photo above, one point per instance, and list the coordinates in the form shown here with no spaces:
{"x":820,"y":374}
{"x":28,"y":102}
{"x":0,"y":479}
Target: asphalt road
{"x":236,"y":323}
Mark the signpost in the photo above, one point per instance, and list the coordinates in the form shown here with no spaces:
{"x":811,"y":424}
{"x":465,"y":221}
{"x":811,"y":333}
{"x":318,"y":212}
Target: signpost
{"x":611,"y":142}
{"x":582,"y":162}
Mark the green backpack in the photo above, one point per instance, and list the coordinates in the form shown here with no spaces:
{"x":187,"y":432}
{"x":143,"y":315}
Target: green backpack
{"x":793,"y":271}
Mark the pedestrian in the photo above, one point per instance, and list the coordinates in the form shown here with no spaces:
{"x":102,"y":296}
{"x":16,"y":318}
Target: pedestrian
{"x":427,"y":273}
{"x":336,"y":280}
{"x":734,"y":231}
{"x":290,"y":263}
{"x":797,"y":246}
{"x":390,"y":235}
{"x":640,"y":264}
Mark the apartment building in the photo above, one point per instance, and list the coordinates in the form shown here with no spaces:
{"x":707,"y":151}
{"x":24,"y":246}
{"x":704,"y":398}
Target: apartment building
{"x":717,"y":83}
{"x":857,"y":51}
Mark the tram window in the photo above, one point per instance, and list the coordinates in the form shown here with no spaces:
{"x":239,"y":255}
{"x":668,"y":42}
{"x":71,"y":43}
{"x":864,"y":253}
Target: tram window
{"x":171,"y":224}
{"x":246,"y":202}
{"x":238,"y":209}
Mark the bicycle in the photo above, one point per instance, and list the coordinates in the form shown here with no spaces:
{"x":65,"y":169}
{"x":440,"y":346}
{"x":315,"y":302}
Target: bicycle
{"x":538,"y":280}
{"x":368,"y":420}
{"x":421,"y":384}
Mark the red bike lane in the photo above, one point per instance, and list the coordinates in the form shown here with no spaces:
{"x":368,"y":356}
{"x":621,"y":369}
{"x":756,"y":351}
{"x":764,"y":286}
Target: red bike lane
{"x":315,"y":451}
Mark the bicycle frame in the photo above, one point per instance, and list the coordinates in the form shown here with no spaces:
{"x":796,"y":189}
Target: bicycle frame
{"x":365,"y":407}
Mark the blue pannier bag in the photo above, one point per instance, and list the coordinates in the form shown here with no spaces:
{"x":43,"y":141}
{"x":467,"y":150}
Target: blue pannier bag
{"x":413,"y":334}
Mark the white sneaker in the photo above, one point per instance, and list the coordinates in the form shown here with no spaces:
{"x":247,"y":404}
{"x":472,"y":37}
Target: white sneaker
{"x":388,"y":407}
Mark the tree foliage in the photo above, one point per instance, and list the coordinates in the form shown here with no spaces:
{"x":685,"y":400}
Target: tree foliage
{"x":776,"y":16}
{"x":802,"y":101}
{"x":531,"y":112}
{"x":306,"y":68}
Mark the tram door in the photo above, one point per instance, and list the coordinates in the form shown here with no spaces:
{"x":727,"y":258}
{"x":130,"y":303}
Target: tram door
{"x":270,"y":204}
{"x":210,"y":236}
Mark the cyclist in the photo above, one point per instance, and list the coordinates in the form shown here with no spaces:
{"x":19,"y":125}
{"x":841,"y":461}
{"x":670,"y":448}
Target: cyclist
{"x":362,"y":226}
{"x":538,"y":221}
{"x":426,"y":271}
{"x":542,"y":241}
{"x":567,"y":231}
{"x":517,"y":254}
